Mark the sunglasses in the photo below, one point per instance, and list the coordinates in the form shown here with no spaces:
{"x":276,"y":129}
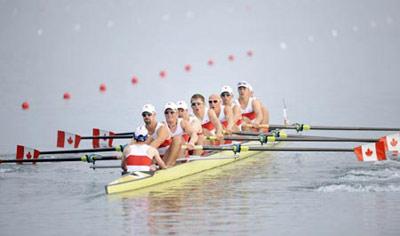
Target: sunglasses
{"x":225,"y":94}
{"x":181,"y":109}
{"x":144,"y":114}
{"x":196,"y":103}
{"x":169,"y":112}
{"x":213,"y":101}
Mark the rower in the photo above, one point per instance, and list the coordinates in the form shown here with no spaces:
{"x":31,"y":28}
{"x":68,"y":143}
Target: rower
{"x":228,"y":100}
{"x":160,"y":136}
{"x":195,"y":124}
{"x":250,"y":107}
{"x":265,"y":112}
{"x":178,"y":126}
{"x":209,"y":120}
{"x":224,"y":113}
{"x":138,"y":156}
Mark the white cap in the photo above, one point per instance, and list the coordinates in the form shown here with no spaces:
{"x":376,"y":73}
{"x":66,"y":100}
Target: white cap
{"x":226,"y":89}
{"x":170,"y":105}
{"x":149,"y":108}
{"x":181,"y":104}
{"x":244,"y":84}
{"x":141,"y":130}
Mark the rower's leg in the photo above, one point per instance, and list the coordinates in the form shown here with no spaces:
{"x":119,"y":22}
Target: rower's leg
{"x":200,"y":141}
{"x":173,"y":151}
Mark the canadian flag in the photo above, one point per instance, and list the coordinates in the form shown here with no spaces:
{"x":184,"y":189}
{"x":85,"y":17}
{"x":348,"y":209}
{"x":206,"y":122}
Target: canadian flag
{"x":392,"y":143}
{"x":26,"y":153}
{"x":371,"y":152}
{"x":67,"y":140}
{"x":104,"y":142}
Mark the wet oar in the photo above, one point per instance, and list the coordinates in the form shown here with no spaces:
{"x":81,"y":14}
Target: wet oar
{"x":84,"y":158}
{"x":302,"y":127}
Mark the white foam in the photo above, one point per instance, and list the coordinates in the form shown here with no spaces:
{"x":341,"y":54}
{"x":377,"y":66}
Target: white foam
{"x":358,"y":188}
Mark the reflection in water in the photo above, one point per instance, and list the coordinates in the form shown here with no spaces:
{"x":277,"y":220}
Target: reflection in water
{"x":186,"y":204}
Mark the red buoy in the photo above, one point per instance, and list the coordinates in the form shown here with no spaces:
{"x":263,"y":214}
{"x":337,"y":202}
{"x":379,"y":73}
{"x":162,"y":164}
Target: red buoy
{"x":67,"y":96}
{"x":103,"y":88}
{"x":25,"y":105}
{"x":163,"y":74}
{"x":231,"y":57}
{"x":188,"y":67}
{"x":134,"y":80}
{"x":210,"y":62}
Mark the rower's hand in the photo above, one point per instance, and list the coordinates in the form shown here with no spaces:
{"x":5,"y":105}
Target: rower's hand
{"x":255,"y":126}
{"x":189,"y":146}
{"x":220,"y":136}
{"x":228,"y":131}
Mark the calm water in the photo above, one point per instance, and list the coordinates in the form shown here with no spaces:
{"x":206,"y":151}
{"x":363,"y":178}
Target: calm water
{"x":334,"y":62}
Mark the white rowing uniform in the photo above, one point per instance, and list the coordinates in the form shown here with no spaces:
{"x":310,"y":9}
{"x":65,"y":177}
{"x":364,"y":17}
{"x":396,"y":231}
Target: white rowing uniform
{"x":138,"y":159}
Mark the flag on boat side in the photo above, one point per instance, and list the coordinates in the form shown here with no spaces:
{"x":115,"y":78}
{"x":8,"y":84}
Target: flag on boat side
{"x":26,"y":153}
{"x":67,"y":140}
{"x":392,"y":143}
{"x":371,"y":152}
{"x":104,"y":142}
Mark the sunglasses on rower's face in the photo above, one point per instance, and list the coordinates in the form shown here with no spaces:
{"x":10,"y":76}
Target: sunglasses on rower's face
{"x":225,"y":94}
{"x":181,"y":109}
{"x":144,"y":114}
{"x":212,"y":101}
{"x":196,"y":104}
{"x":169,"y":112}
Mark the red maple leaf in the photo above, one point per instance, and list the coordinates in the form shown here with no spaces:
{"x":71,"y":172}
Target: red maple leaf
{"x":70,"y":140}
{"x":29,"y":155}
{"x":369,"y":152}
{"x":393,"y":142}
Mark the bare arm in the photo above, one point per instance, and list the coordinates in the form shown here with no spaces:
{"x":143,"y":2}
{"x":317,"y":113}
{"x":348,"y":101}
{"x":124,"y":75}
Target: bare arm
{"x":257,"y":109}
{"x":154,"y":153}
{"x":229,"y":118}
{"x":162,"y":135}
{"x":217,"y":124}
{"x":236,"y":113}
{"x":190,"y":131}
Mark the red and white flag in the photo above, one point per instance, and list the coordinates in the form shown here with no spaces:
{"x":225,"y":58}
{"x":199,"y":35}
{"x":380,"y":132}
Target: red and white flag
{"x":392,"y":143}
{"x":103,"y":142}
{"x":371,"y":152}
{"x":26,"y":153}
{"x":67,"y":140}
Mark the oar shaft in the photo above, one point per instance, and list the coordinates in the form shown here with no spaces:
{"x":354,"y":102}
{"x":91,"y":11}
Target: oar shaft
{"x":112,"y":149}
{"x":108,"y":137}
{"x":238,"y":148}
{"x":321,"y":127}
{"x":306,"y":139}
{"x":65,"y":159}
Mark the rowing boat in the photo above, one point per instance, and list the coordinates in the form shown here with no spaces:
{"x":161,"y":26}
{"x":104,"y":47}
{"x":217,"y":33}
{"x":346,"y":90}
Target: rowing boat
{"x":139,"y":180}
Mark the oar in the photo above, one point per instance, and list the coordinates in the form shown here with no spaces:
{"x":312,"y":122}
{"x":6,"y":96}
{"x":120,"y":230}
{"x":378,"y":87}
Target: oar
{"x":23,"y":152}
{"x":367,"y":152}
{"x":269,"y":139}
{"x":302,"y":127}
{"x":84,"y":158}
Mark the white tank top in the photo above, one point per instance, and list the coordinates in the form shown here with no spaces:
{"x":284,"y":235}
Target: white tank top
{"x":165,"y":145}
{"x":249,"y":106}
{"x":138,"y":159}
{"x":221,"y":116}
{"x":178,"y":131}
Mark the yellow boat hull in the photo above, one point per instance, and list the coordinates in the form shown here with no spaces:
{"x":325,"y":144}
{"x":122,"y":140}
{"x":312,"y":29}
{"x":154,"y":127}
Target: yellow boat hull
{"x":138,"y":180}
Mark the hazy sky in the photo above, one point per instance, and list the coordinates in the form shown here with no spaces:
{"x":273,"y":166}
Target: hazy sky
{"x":333,"y":61}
